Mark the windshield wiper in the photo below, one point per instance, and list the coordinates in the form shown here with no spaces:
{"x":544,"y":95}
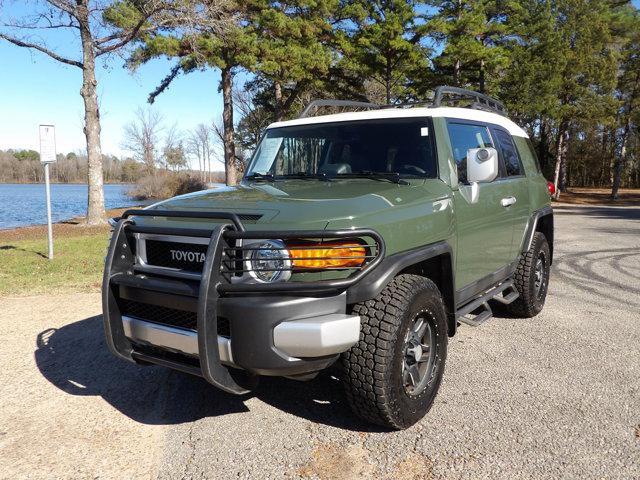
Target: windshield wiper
{"x":391,"y":176}
{"x":255,"y":176}
{"x":309,"y":176}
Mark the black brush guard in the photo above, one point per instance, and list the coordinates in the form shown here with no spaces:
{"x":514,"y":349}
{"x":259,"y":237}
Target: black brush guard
{"x":120,"y":271}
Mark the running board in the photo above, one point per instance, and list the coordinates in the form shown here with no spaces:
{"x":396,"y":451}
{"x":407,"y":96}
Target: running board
{"x":504,"y":293}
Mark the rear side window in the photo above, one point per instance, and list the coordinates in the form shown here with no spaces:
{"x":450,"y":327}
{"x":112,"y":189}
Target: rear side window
{"x":509,"y":153}
{"x":463,"y":137}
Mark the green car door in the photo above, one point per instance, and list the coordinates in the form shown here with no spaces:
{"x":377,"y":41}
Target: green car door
{"x":485,"y":228}
{"x":514,"y":179}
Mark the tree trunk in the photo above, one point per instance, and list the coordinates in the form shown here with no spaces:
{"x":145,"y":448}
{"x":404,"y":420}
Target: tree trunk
{"x":621,"y":160}
{"x":278,"y":101}
{"x":95,"y":201}
{"x":542,"y":146}
{"x":561,"y":151}
{"x":456,"y":72}
{"x":227,"y":121}
{"x":209,"y":162}
{"x":482,"y":79}
{"x":387,"y":80}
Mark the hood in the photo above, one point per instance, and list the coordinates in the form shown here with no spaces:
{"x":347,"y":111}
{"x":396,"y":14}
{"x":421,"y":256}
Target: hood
{"x":303,"y":202}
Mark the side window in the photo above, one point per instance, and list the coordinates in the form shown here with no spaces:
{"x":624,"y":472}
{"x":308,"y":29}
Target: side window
{"x":509,"y":153}
{"x":463,"y":137}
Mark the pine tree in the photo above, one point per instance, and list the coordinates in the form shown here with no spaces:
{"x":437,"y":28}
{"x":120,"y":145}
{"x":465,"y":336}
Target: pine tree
{"x":383,"y":42}
{"x":472,"y":33}
{"x":201,"y":34}
{"x":627,"y":90}
{"x":294,"y":49}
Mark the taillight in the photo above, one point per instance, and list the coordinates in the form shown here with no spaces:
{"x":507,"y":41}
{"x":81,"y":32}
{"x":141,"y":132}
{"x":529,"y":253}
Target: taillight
{"x":552,"y":188}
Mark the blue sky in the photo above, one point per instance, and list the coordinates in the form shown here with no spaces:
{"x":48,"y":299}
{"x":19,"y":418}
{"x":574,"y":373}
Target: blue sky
{"x":35,"y":89}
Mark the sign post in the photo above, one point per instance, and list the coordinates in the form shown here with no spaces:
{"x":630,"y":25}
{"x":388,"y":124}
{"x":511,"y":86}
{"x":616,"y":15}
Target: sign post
{"x":47,"y":157}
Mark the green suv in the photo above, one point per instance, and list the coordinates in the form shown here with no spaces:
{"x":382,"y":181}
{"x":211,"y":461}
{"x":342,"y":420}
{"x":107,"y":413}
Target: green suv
{"x":360,"y":240}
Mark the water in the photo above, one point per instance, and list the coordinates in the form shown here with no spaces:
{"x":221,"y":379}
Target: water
{"x":25,"y":204}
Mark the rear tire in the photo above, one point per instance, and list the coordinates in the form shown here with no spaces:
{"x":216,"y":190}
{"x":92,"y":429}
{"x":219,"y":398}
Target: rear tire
{"x":392,"y":375}
{"x":531,"y":279}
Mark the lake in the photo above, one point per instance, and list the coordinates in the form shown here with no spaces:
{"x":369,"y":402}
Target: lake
{"x":25,"y":204}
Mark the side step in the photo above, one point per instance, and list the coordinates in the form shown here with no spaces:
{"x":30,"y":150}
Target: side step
{"x":504,"y":293}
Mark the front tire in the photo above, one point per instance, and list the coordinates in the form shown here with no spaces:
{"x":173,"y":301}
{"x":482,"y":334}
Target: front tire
{"x":392,"y":375}
{"x":531,"y":279}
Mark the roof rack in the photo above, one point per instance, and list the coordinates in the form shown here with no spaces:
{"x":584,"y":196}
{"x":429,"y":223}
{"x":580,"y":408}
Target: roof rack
{"x":336,"y":103}
{"x":480,"y":102}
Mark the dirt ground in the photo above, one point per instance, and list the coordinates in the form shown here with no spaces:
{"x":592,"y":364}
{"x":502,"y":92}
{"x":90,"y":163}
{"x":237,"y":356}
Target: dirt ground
{"x":600,"y":196}
{"x":557,"y":396}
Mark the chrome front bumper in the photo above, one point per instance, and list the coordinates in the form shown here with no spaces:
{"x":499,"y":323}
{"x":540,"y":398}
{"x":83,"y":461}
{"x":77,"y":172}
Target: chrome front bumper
{"x":177,"y":339}
{"x":310,"y":337}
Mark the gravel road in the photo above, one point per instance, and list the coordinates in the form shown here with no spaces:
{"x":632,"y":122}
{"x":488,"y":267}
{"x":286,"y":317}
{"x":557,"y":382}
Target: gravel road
{"x":557,"y":396}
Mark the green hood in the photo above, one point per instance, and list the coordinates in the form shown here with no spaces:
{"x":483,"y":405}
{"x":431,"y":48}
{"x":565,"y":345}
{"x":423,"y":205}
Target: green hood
{"x":303,"y":202}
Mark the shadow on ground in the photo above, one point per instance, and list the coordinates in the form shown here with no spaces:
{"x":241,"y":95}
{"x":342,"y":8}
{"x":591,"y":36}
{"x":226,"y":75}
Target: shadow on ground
{"x":13,"y":247}
{"x":75,"y":359}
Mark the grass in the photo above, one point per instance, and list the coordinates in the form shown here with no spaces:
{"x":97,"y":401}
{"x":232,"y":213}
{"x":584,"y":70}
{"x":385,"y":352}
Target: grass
{"x":77,"y":264}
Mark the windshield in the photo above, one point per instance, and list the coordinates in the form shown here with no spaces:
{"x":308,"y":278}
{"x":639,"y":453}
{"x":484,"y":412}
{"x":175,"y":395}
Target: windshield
{"x":390,"y":146}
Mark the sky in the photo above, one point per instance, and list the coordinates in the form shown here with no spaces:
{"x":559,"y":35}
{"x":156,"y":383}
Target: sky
{"x":35,"y":89}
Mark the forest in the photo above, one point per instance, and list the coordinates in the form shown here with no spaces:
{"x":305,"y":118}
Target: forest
{"x":567,"y":70}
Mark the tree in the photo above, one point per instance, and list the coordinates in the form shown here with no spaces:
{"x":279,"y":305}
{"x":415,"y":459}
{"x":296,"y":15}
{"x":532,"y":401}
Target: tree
{"x":628,"y":93}
{"x":562,"y":73}
{"x":294,"y":52}
{"x":84,"y":18}
{"x":472,"y":32}
{"x":383,"y":42}
{"x":200,"y":34}
{"x":142,"y":137}
{"x":254,"y":119}
{"x":203,"y":135}
{"x":27,"y":155}
{"x":173,"y":152}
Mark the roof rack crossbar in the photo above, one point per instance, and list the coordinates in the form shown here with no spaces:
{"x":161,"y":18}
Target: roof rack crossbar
{"x":481,"y":101}
{"x":335,"y":103}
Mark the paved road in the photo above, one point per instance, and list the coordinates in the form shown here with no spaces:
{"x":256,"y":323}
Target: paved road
{"x":557,"y":396}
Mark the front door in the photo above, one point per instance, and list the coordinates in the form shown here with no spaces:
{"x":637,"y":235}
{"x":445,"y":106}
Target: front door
{"x":485,"y":228}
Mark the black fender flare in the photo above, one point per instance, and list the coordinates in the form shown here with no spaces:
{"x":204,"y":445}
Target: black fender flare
{"x":532,"y":227}
{"x":370,"y":286}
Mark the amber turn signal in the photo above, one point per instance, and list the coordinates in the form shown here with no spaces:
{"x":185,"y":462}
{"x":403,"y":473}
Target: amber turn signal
{"x":327,"y":255}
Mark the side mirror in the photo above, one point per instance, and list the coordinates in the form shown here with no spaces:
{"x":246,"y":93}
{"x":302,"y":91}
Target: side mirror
{"x":482,"y":165}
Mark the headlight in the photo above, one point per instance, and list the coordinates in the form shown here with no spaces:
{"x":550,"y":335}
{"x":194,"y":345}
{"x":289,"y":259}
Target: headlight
{"x":269,"y":261}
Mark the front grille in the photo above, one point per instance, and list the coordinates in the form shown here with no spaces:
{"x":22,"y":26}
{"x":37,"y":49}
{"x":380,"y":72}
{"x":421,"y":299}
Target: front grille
{"x":183,"y":256}
{"x":169,"y":316}
{"x":157,"y":314}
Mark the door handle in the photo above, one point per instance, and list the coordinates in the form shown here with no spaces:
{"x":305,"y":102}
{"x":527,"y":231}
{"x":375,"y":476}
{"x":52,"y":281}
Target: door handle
{"x":507,"y":202}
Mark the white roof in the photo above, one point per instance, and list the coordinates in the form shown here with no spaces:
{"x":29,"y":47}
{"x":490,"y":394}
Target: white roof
{"x":448,"y":112}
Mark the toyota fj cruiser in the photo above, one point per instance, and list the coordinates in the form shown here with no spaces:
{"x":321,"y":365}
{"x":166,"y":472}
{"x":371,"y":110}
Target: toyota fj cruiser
{"x":361,"y":239}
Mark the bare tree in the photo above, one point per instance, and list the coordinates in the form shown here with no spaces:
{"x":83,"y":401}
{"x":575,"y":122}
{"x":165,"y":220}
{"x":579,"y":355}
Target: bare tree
{"x":194,"y":149}
{"x":142,"y":137}
{"x":204,"y":137}
{"x":85,"y":19}
{"x":173,"y":152}
{"x":208,"y":33}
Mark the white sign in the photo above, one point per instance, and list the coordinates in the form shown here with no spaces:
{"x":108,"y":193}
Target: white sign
{"x":47,"y":143}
